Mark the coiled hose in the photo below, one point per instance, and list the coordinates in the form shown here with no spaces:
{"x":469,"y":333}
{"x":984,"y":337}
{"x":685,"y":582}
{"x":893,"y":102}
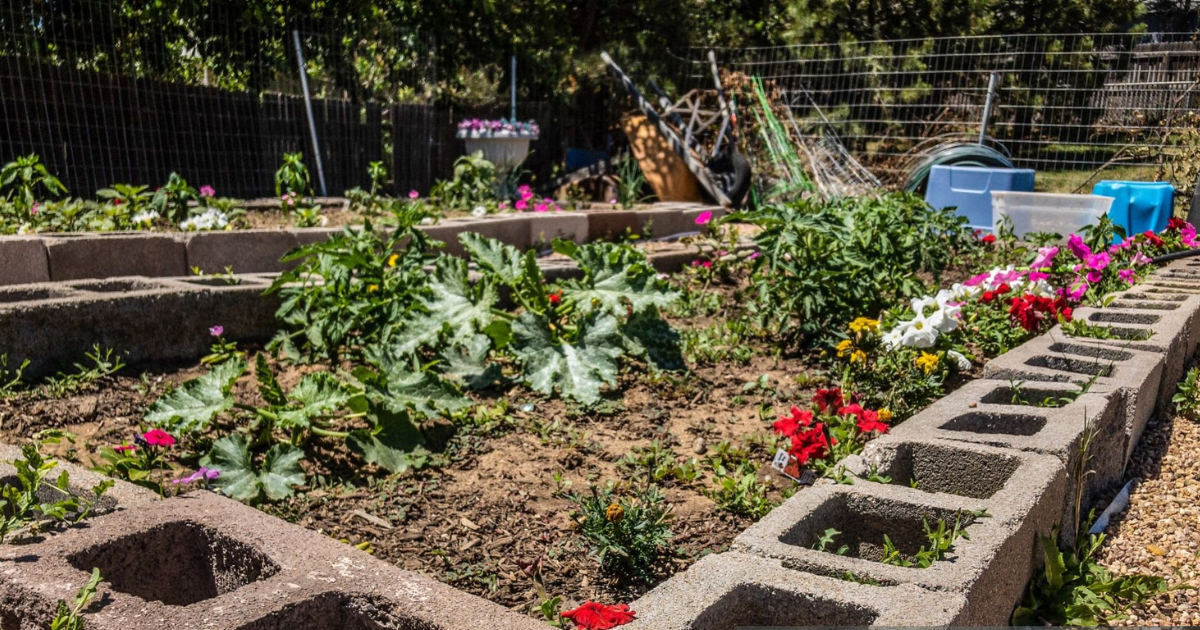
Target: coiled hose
{"x":954,"y":154}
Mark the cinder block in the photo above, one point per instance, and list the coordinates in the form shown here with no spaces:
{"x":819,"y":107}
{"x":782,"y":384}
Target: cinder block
{"x":23,"y":260}
{"x":737,"y":590}
{"x":511,"y":230}
{"x":244,"y":251}
{"x":985,"y":412}
{"x":989,"y":569}
{"x":659,"y":222}
{"x":202,"y":561}
{"x":308,"y":236}
{"x":544,"y":227}
{"x":113,"y":255}
{"x":1134,"y":375}
{"x":610,"y":224}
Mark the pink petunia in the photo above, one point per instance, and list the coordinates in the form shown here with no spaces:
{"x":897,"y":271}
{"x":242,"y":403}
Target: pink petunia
{"x":1045,"y":258}
{"x":124,"y":448}
{"x":704,"y":217}
{"x":414,"y":195}
{"x":216,"y":331}
{"x":1035,"y":276}
{"x":1128,"y":275}
{"x":205,"y":474}
{"x":1078,"y":247}
{"x":207,"y":191}
{"x":521,"y":205}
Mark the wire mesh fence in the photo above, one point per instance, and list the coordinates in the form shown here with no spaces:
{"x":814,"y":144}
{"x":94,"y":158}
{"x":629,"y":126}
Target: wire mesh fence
{"x":1076,"y":107}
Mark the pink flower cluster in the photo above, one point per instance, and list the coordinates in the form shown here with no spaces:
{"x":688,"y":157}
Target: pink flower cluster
{"x":527,"y":202}
{"x":476,"y":124}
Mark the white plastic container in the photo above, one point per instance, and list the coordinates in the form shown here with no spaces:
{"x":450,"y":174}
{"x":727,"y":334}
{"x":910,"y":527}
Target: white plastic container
{"x":1048,"y":212}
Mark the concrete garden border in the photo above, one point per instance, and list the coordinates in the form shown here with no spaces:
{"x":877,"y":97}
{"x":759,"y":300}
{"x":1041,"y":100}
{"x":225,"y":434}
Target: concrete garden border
{"x":972,"y":449}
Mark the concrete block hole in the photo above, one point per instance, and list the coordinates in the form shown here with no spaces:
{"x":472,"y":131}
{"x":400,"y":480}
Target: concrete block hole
{"x":1143,"y":306}
{"x":9,"y":296}
{"x":337,"y":610}
{"x":1144,"y":319}
{"x":1091,"y":367}
{"x":177,"y":563}
{"x":996,"y":423}
{"x":750,"y":605}
{"x":864,"y":520}
{"x":1157,"y":294}
{"x":1027,"y":395}
{"x":944,"y":469}
{"x":115,"y":286}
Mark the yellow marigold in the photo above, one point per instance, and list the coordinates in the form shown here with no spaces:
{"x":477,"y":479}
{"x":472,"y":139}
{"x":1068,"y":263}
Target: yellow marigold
{"x":927,"y":362}
{"x":885,"y":415}
{"x":614,"y":513}
{"x":858,"y":356}
{"x":844,"y":347}
{"x":392,"y":260}
{"x":864,"y":323}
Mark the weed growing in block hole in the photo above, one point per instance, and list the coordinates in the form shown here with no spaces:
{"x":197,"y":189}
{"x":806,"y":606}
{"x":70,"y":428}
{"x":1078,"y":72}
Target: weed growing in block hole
{"x":941,"y":540}
{"x":1082,"y":328}
{"x":70,"y":616}
{"x":826,"y":539}
{"x":24,"y":509}
{"x":1019,"y":398}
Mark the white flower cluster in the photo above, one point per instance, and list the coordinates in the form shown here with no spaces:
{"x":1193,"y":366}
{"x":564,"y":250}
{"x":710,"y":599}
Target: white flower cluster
{"x":923,"y":329}
{"x":146,"y":216}
{"x":212,"y":219}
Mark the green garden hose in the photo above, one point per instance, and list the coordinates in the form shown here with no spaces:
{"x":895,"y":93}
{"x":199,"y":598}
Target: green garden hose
{"x":955,"y":154}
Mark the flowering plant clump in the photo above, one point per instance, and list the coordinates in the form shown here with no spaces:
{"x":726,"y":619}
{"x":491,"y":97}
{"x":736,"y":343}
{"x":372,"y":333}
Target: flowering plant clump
{"x":593,"y":616}
{"x":501,"y":127}
{"x":839,"y":427}
{"x":143,"y":462}
{"x":211,"y":219}
{"x":526,"y":203}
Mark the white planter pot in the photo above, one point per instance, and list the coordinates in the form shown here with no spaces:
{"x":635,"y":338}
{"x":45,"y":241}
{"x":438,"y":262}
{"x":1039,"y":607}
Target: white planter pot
{"x":505,"y":149}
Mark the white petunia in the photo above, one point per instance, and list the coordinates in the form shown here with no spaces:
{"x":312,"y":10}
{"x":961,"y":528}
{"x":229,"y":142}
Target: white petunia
{"x":146,"y":216}
{"x":479,"y":211}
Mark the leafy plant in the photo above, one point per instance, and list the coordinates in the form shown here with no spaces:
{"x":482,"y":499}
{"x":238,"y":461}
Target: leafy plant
{"x":1082,"y":328}
{"x":243,"y":479}
{"x":293,"y":177}
{"x":23,"y":179}
{"x":69,"y":617}
{"x":1186,"y":398}
{"x":475,"y":182}
{"x":940,"y":540}
{"x":11,"y":378}
{"x":172,"y":198}
{"x":627,"y":534}
{"x":22,"y":506}
{"x":103,"y":362}
{"x":826,"y":539}
{"x":631,"y":183}
{"x":742,"y":493}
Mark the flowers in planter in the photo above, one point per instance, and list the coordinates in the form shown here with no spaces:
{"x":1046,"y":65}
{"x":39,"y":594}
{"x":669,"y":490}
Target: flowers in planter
{"x":499,"y":127}
{"x":212,"y":219}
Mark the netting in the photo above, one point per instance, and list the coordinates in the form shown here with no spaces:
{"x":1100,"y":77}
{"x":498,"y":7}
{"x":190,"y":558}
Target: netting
{"x":1075,"y":107}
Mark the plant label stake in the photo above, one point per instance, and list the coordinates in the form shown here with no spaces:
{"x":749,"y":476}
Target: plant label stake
{"x":788,"y":466}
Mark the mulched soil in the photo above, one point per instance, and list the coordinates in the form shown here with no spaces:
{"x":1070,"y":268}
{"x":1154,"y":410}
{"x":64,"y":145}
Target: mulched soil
{"x":1159,"y":534}
{"x":493,"y":506}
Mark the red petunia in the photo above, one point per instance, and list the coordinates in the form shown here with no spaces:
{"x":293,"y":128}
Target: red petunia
{"x":853,"y":409}
{"x":790,"y":425}
{"x":1153,"y":238}
{"x":810,"y":444}
{"x":1176,"y":224}
{"x":593,"y":616}
{"x":869,"y":421}
{"x":828,"y":399}
{"x":989,"y":239}
{"x":556,"y":297}
{"x":1031,"y":311}
{"x":158,"y":437}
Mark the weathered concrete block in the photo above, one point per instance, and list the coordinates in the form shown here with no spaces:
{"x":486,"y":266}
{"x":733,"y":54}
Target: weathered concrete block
{"x":109,"y":255}
{"x":202,"y":561}
{"x":611,"y":224}
{"x":546,"y":226}
{"x":244,"y":251}
{"x":989,"y":569}
{"x":23,"y":260}
{"x":662,"y":222}
{"x":737,"y":590}
{"x":998,"y":414}
{"x":1136,"y":375}
{"x":308,"y":236}
{"x":511,"y":230}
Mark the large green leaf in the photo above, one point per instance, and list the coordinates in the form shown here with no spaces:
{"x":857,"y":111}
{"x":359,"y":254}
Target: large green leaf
{"x":193,"y":405}
{"x":492,"y":256}
{"x":422,"y":390}
{"x":616,"y":277}
{"x":316,"y":394}
{"x":395,"y":443}
{"x":452,"y":305}
{"x":576,"y":370}
{"x":240,"y":480}
{"x":468,"y":363}
{"x":649,"y":337}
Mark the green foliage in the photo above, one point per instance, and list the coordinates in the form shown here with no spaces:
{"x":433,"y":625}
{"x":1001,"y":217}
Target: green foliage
{"x":11,"y":381}
{"x":69,"y":617}
{"x":742,"y":493}
{"x":631,"y":183}
{"x":245,"y":480}
{"x":940,"y":541}
{"x":22,"y":180}
{"x":102,"y":362}
{"x":171,"y":200}
{"x":657,"y":464}
{"x":627,"y":534}
{"x":192,"y":406}
{"x":292,"y":176}
{"x":825,"y":263}
{"x":1075,"y":590}
{"x":1083,"y":328}
{"x":34,"y":502}
{"x":826,"y":539}
{"x":1187,"y":397}
{"x":474,"y":184}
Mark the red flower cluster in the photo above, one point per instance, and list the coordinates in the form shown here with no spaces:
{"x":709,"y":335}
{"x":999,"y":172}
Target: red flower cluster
{"x":867,"y":420}
{"x":593,"y":616}
{"x":990,"y":296}
{"x":828,"y":399}
{"x":556,"y":297}
{"x":1176,"y":224}
{"x":809,"y":440}
{"x":989,"y":239}
{"x":1152,"y":238}
{"x":1029,"y":311}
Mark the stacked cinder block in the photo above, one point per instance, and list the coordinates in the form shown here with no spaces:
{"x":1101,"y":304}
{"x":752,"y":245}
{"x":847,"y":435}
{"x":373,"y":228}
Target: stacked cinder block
{"x":203,"y":561}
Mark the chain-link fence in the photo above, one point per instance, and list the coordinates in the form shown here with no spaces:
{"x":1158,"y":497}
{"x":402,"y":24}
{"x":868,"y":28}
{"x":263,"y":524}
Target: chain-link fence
{"x":1075,"y":107}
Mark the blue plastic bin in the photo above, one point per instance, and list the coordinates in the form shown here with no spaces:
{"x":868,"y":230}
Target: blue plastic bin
{"x":1138,"y":206}
{"x":969,"y":189}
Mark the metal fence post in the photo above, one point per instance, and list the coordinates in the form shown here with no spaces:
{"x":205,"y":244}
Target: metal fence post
{"x":312,"y":125}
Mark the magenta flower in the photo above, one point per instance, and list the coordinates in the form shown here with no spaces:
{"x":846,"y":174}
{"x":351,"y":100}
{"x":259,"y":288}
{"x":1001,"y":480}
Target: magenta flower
{"x":414,"y":195}
{"x":1188,"y":235}
{"x":1094,"y":276}
{"x":521,"y":205}
{"x":1034,"y":276}
{"x":1045,"y":257}
{"x":612,"y":202}
{"x":204,"y":474}
{"x":1128,"y":275}
{"x":503,"y":206}
{"x":1098,"y":261}
{"x":36,"y":207}
{"x":207,"y":191}
{"x":216,"y":331}
{"x":1005,"y":277}
{"x":1141,"y":259}
{"x":158,"y":437}
{"x":755,"y":255}
{"x":975,"y":281}
{"x":704,"y":217}
{"x":541,"y":207}
{"x":1078,"y":247}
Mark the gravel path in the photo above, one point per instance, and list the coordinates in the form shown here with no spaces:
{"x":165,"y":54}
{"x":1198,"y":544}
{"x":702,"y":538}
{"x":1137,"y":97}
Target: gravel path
{"x":1160,"y":532}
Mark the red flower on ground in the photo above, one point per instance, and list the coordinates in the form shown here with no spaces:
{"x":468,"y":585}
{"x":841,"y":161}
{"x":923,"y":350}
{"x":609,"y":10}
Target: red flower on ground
{"x":158,"y":437}
{"x":828,"y":399}
{"x":556,"y":297}
{"x":989,"y":239}
{"x":810,"y":444}
{"x":790,"y":425}
{"x":869,"y":421}
{"x":593,"y":616}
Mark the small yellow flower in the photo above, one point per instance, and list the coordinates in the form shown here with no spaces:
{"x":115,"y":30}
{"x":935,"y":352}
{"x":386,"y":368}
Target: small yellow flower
{"x":858,"y":356}
{"x":371,"y":288}
{"x":885,"y":415}
{"x":392,"y":260}
{"x":844,"y":347}
{"x":614,"y":513}
{"x":864,"y":324}
{"x":927,"y":362}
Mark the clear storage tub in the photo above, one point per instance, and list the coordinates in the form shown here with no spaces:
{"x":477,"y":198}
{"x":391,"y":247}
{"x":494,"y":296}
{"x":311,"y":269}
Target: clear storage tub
{"x":1048,"y":212}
